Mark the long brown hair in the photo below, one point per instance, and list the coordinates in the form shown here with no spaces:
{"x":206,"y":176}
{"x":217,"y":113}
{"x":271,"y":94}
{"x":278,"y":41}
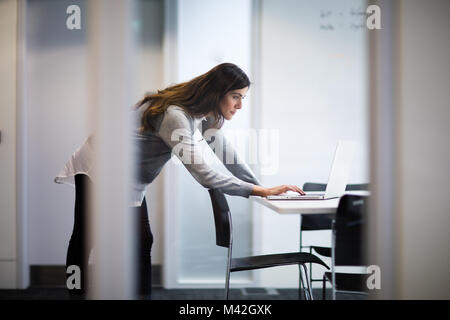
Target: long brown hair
{"x":198,"y":96}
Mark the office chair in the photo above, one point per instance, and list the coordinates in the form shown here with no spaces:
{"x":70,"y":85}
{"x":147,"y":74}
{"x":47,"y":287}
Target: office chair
{"x":224,"y":238}
{"x":321,"y":221}
{"x":348,"y":244}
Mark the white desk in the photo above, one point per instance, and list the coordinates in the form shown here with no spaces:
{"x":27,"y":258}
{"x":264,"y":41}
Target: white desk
{"x":305,"y":206}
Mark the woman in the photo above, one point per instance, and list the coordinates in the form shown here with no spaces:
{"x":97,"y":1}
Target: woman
{"x":169,"y":120}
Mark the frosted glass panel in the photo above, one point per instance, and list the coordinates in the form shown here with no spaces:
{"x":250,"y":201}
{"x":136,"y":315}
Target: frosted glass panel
{"x":314,"y":91}
{"x":210,"y":33}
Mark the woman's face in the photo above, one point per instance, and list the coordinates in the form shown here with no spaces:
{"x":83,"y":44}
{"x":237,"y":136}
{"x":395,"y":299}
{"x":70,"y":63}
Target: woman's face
{"x":231,"y":102}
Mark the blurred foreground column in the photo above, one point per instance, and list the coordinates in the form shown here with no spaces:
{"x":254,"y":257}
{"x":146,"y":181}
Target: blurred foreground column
{"x":110,"y":76}
{"x":410,"y":115}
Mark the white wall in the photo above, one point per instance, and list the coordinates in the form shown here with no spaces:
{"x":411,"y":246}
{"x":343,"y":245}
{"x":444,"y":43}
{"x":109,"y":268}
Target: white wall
{"x":313,"y":91}
{"x":8,"y":55}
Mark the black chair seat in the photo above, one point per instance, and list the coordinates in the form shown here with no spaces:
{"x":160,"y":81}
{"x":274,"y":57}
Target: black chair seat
{"x":323,"y":251}
{"x":349,"y":281}
{"x":273,"y":260}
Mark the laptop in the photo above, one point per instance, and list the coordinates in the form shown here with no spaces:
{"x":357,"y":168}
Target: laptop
{"x":337,"y":180}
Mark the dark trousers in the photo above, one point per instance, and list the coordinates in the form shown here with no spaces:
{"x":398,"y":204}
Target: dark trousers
{"x":80,"y":246}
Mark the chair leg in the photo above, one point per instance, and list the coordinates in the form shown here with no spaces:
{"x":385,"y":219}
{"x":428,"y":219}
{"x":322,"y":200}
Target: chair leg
{"x":334,"y":292}
{"x":227,"y":278}
{"x":310,"y":266}
{"x":300,"y":282}
{"x":302,"y":286}
{"x":308,"y":283}
{"x":300,"y":278}
{"x":227,"y":284}
{"x":324,"y":284}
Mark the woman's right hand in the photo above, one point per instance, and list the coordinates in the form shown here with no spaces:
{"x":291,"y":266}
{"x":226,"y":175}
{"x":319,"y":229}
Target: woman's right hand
{"x":264,"y":192}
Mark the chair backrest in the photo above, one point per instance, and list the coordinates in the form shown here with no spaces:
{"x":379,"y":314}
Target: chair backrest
{"x":350,"y":240}
{"x":222,"y":218}
{"x":358,"y":186}
{"x":312,"y":186}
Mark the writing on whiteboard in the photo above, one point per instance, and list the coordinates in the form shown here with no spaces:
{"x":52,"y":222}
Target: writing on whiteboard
{"x":354,"y":19}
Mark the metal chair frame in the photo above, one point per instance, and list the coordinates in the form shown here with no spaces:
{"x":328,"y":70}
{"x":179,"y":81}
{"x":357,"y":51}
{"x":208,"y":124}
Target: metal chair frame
{"x":333,"y":269}
{"x":224,"y":238}
{"x":322,"y":187}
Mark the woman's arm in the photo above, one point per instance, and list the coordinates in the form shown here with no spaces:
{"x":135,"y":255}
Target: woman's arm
{"x":226,"y":153}
{"x":177,"y":132}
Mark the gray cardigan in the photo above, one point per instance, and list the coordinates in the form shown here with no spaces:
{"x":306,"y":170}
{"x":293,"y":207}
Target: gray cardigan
{"x":176,"y":133}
